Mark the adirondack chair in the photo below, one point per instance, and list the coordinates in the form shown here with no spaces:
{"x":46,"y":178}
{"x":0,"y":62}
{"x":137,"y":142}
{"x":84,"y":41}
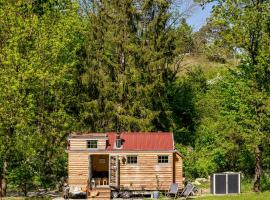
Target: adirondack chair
{"x":187,"y":190}
{"x":173,"y":191}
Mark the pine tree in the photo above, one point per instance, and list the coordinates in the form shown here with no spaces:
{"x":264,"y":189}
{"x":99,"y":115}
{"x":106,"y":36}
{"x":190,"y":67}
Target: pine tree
{"x":129,"y":54}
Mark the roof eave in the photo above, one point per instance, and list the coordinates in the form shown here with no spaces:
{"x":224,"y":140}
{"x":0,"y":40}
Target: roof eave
{"x":176,"y":151}
{"x":120,"y":151}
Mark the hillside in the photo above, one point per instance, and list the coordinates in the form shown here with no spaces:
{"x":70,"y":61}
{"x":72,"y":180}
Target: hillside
{"x":210,"y":68}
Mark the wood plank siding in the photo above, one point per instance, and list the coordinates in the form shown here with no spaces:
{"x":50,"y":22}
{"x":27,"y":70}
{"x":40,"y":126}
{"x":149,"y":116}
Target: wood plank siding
{"x":178,"y":170}
{"x":78,"y":168}
{"x":102,"y":144}
{"x":76,"y":144}
{"x":148,"y":174}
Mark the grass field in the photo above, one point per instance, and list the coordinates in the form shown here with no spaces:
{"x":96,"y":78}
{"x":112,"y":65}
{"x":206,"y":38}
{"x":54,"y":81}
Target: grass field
{"x":244,"y":196}
{"x":248,"y":196}
{"x":210,"y":68}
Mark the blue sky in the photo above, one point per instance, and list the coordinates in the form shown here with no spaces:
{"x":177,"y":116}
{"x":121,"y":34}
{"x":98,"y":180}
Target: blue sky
{"x":199,"y":15}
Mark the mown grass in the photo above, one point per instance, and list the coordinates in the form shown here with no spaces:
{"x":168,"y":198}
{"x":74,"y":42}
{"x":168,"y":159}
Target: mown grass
{"x":246,"y":196}
{"x":26,"y":198}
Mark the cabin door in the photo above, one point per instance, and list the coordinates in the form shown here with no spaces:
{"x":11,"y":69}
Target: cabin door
{"x":114,"y":171}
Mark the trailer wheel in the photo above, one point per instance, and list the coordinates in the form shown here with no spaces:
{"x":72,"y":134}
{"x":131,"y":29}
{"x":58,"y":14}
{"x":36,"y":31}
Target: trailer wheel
{"x":115,"y":194}
{"x":126,"y":194}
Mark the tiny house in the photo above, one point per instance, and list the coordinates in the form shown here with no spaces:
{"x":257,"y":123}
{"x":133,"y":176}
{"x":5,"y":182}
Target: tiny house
{"x":102,"y":163}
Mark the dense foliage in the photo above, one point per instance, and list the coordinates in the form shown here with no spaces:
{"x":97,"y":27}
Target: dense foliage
{"x":120,"y":65}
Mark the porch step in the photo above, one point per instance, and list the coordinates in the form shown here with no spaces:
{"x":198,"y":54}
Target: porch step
{"x":99,"y":193}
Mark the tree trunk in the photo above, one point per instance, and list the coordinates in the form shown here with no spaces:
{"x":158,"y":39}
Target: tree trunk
{"x":1,"y":186}
{"x":258,"y":169}
{"x":3,"y":180}
{"x":24,"y":189}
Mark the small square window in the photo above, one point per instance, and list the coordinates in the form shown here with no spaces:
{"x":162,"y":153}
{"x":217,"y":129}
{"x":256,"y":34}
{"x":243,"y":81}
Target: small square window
{"x":132,"y":160}
{"x":92,"y":144}
{"x":163,"y":159}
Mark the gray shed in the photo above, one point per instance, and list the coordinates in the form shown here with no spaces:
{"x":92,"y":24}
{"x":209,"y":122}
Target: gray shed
{"x":226,"y":183}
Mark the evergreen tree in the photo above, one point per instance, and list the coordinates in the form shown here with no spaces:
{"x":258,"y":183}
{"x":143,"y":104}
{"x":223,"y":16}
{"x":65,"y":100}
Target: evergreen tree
{"x":184,"y":38}
{"x":129,"y":54}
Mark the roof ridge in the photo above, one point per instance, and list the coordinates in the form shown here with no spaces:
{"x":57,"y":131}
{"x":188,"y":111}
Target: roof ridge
{"x":103,"y":133}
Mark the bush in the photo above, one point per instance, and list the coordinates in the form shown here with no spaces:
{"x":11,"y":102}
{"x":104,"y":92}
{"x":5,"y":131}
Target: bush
{"x":216,"y":58}
{"x":265,"y":181}
{"x":22,"y":177}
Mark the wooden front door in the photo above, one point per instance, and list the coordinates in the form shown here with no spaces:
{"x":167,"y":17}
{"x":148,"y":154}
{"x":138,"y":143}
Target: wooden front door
{"x":114,"y":171}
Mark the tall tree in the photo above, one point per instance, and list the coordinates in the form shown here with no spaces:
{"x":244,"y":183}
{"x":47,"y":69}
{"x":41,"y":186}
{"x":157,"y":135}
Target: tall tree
{"x":247,"y":108}
{"x":129,"y":52}
{"x":184,"y":38}
{"x":37,"y":84}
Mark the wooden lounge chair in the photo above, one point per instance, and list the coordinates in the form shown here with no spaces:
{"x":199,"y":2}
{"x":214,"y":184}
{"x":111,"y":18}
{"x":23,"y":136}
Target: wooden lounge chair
{"x":173,"y":191}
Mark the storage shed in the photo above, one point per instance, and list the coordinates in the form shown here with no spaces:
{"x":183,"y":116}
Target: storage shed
{"x":226,"y":183}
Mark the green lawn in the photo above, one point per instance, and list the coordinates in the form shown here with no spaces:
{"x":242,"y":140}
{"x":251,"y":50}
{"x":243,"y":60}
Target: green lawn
{"x":248,"y":196}
{"x":26,"y":198}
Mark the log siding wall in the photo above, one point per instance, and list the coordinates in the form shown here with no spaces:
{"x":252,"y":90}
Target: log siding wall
{"x":78,"y":169}
{"x":179,"y":170}
{"x":82,"y":144}
{"x":147,"y":174}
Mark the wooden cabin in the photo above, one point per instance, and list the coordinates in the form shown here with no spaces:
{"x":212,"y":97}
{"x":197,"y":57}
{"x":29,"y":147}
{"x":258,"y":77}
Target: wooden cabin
{"x":133,"y":161}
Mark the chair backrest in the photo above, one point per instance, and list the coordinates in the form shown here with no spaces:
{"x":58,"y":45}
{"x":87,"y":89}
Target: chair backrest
{"x":187,"y":190}
{"x":173,"y":188}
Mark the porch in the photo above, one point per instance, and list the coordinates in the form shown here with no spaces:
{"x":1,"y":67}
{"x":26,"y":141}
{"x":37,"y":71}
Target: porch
{"x":99,"y":171}
{"x":99,"y":177}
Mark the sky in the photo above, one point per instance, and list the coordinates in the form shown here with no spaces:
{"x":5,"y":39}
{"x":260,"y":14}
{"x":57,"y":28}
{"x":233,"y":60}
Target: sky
{"x":198,"y":16}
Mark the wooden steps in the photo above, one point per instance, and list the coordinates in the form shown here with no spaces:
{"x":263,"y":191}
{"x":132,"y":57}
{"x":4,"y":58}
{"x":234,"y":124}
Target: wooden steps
{"x":99,"y":193}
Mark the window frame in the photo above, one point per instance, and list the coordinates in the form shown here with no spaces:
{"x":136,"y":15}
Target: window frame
{"x":89,"y":146}
{"x":132,"y":163}
{"x":161,"y":157}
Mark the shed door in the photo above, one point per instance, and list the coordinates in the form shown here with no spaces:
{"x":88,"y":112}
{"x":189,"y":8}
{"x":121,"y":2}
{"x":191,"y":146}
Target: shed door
{"x":114,"y":171}
{"x":220,"y":184}
{"x":233,"y":183}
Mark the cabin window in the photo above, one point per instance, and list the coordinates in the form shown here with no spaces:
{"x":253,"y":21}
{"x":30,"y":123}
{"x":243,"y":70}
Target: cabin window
{"x":132,"y":160}
{"x":163,"y":159}
{"x":92,"y":144}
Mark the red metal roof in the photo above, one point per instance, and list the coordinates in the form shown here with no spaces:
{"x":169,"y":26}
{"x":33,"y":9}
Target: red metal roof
{"x":142,"y":141}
